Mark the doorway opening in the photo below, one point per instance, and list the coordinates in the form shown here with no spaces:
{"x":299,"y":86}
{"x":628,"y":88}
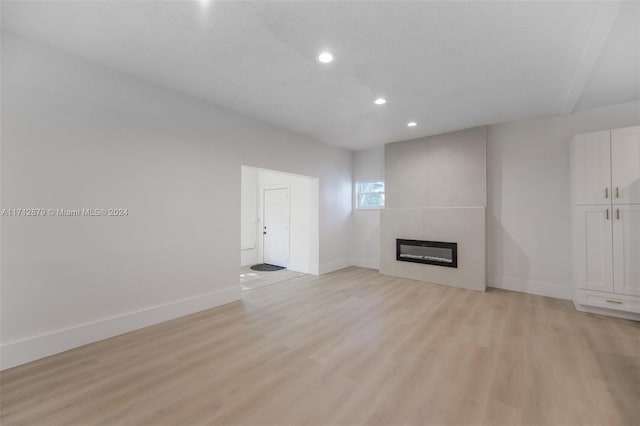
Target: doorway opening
{"x":279,"y":227}
{"x":275,"y":226}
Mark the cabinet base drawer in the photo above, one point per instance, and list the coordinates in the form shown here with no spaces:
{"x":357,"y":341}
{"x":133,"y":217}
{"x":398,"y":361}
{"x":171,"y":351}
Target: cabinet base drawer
{"x":618,"y":302}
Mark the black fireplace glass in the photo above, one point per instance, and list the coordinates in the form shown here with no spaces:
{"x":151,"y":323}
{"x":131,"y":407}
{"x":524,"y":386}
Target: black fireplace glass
{"x":428,"y":252}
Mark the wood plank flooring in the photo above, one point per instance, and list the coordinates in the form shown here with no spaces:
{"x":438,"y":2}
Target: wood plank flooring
{"x":348,"y":348}
{"x":251,"y":280}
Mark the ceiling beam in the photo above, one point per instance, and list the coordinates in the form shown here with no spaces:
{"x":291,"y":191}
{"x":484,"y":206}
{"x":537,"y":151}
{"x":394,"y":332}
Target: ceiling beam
{"x":604,"y":17}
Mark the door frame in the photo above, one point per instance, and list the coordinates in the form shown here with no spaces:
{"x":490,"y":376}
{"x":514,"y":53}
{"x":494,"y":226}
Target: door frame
{"x":261,"y":197}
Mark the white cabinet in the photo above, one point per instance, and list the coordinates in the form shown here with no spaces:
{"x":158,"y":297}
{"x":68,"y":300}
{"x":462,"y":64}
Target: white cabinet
{"x":591,"y":166}
{"x":626,"y":249}
{"x":625,"y":160}
{"x":605,"y":173}
{"x":592,"y":246}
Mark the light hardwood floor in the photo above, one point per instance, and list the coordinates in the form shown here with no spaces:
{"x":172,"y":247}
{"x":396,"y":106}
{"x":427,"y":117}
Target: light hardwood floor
{"x":251,"y":280}
{"x":352,"y":347}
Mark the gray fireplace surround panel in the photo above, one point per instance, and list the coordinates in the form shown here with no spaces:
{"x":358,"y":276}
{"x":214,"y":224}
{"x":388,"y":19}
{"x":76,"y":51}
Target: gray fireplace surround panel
{"x":436,"y":191}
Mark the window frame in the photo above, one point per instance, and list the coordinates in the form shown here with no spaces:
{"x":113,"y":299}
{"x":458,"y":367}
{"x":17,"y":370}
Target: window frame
{"x":358,"y":193}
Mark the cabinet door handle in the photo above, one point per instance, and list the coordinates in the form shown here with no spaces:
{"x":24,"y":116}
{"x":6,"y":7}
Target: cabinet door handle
{"x":617,"y":302}
{"x":618,"y":214}
{"x":606,"y":193}
{"x":607,"y":214}
{"x":617,"y":192}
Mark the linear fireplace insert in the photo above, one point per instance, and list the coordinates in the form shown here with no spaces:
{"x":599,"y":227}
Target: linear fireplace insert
{"x":430,"y":252}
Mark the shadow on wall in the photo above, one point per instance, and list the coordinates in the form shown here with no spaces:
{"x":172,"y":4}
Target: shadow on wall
{"x":502,"y":248}
{"x":508,"y":266}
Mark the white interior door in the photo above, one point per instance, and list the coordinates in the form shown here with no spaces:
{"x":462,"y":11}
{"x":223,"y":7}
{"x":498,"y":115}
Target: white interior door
{"x":591,"y":168}
{"x":276,"y":227}
{"x":593,"y":248}
{"x":625,"y":160}
{"x":626,"y":249}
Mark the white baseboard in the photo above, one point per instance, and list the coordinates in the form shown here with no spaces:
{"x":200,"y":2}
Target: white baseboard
{"x":607,"y":312}
{"x":303,"y":269}
{"x":540,"y":288}
{"x":32,"y":348}
{"x":314,"y":269}
{"x":335,"y":265}
{"x":367,"y":263}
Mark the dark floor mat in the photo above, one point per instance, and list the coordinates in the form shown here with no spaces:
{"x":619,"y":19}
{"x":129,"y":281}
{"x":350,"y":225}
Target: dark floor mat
{"x":265,"y":267}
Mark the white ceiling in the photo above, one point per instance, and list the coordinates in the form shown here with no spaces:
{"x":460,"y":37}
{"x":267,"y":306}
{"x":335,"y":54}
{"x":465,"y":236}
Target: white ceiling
{"x":446,"y":65}
{"x":616,"y":76}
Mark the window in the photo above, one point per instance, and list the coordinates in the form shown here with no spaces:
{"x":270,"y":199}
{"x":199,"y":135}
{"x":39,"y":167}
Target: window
{"x":369,"y":195}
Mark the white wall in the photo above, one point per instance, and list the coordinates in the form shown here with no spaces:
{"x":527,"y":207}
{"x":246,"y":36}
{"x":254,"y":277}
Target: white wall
{"x":528,"y":212}
{"x":78,"y":135}
{"x":249,"y":216}
{"x":368,"y":166}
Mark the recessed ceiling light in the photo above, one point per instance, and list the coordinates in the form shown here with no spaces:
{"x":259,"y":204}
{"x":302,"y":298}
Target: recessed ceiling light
{"x":325,"y":57}
{"x":412,"y":124}
{"x":380,"y":101}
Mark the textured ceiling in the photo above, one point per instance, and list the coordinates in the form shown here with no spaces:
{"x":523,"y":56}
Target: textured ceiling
{"x":445,"y":65}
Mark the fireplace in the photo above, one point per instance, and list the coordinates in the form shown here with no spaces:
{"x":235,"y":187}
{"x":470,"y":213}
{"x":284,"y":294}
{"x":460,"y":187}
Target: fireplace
{"x":429,"y":252}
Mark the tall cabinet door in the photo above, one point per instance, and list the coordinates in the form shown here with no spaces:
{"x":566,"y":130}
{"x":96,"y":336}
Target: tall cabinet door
{"x":592,"y":248}
{"x":591,"y":168}
{"x":625,"y":161}
{"x":626,"y":249}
